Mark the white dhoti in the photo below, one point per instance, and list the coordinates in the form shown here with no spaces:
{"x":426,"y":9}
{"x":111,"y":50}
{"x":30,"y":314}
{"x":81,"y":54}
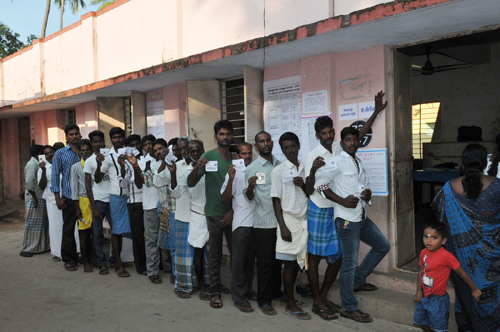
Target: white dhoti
{"x":298,"y":246}
{"x":198,"y":230}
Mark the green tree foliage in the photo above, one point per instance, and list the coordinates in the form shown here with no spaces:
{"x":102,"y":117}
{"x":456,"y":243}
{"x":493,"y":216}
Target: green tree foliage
{"x":102,"y":3}
{"x":10,"y":42}
{"x":74,"y":5}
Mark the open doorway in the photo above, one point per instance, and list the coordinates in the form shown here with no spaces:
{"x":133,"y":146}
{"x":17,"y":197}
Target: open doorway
{"x":454,"y":83}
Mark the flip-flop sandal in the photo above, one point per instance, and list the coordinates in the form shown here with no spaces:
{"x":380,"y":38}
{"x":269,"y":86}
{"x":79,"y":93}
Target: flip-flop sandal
{"x":121,"y":272}
{"x":126,"y":265}
{"x":216,"y":304}
{"x":103,"y":270}
{"x":183,"y":295}
{"x":268,"y":309}
{"x":244,"y":307}
{"x":70,"y":268}
{"x":357,"y":316}
{"x":25,"y":254}
{"x":326,"y":314}
{"x":204,"y":296}
{"x":298,"y":315}
{"x":56,"y":259}
{"x":334,"y":307}
{"x":298,"y":303}
{"x":366,"y":288}
{"x":155,"y":279}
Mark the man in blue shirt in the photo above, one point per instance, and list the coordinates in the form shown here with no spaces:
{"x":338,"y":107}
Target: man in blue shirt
{"x":61,"y":165}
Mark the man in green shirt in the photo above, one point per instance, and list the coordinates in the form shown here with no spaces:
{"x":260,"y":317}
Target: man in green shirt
{"x":214,"y":165}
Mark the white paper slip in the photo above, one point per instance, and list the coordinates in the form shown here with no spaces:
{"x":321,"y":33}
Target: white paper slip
{"x":170,"y":158}
{"x":41,"y":157}
{"x":288,"y":176}
{"x":358,"y":189}
{"x":239,"y":164}
{"x":330,"y":166}
{"x":105,"y":152}
{"x":211,"y":166}
{"x":122,"y":151}
{"x":135,"y":152}
{"x":261,"y":178}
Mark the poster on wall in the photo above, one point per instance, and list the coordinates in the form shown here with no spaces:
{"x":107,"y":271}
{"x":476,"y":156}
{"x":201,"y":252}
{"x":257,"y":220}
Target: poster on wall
{"x":375,"y":162}
{"x":282,"y":110}
{"x":366,"y":109}
{"x":348,"y":112}
{"x":309,"y":140}
{"x":315,"y":102}
{"x":155,"y":119}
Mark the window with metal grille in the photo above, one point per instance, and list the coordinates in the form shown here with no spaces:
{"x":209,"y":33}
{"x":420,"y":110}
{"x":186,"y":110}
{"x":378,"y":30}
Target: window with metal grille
{"x":128,"y":117}
{"x":233,"y":106}
{"x":423,"y":121}
{"x":69,"y":116}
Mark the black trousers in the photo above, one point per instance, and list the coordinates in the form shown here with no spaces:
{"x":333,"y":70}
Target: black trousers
{"x":68,"y":243}
{"x":242,"y":264}
{"x":216,"y":233}
{"x":136,"y":214}
{"x":268,"y":267}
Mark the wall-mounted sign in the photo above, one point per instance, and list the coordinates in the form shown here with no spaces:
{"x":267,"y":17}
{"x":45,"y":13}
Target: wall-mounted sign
{"x":367,"y":138}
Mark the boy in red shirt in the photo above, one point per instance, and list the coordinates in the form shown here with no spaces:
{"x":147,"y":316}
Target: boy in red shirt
{"x":433,"y":303}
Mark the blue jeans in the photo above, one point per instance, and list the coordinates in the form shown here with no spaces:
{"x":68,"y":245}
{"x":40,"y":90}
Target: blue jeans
{"x":350,"y":233}
{"x":433,"y":311}
{"x":103,"y":208}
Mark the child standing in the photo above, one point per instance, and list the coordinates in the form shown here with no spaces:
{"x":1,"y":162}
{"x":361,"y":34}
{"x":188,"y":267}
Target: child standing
{"x":433,"y":302}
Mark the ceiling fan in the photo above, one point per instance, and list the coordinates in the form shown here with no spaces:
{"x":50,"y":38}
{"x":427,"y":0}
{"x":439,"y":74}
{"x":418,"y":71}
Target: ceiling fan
{"x":429,"y":69}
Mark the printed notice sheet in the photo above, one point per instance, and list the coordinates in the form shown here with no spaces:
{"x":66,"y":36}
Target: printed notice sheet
{"x":155,"y":118}
{"x":375,"y":162}
{"x":315,"y":102}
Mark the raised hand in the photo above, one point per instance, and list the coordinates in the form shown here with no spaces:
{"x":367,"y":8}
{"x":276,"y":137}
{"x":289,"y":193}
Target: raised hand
{"x":42,"y":165}
{"x":132,"y":159}
{"x":252,"y":182}
{"x":201,"y":163}
{"x":379,"y":104}
{"x":231,"y":172}
{"x":317,"y":163}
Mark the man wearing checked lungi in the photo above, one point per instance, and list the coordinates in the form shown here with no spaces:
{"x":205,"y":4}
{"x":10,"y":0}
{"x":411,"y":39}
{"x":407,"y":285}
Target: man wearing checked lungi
{"x":323,"y":241}
{"x":114,"y":166}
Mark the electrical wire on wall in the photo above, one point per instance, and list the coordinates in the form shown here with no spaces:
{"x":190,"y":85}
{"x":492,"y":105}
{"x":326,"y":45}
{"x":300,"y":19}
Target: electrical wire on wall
{"x":264,"y":40}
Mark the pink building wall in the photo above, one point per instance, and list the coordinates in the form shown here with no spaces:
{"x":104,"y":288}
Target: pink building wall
{"x":86,"y":118}
{"x":10,"y":159}
{"x":176,"y":118}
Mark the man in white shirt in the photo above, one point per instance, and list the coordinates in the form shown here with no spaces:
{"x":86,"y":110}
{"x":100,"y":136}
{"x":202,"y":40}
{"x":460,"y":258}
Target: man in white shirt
{"x":290,"y":207}
{"x":323,"y":240}
{"x":243,"y":250}
{"x":114,"y":166}
{"x":344,"y":183}
{"x":98,"y":194}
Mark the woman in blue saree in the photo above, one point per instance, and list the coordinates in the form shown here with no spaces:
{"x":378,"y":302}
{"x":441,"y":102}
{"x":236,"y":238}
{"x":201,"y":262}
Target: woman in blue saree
{"x":470,"y":207}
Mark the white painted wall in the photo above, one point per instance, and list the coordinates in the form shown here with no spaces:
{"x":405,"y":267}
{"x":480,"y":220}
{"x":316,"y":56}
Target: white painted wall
{"x":462,"y":93}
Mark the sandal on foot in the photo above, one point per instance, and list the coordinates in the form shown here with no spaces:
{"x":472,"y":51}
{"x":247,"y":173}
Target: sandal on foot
{"x":172,"y":279}
{"x":357,"y":315}
{"x":112,"y":265}
{"x":326,"y":314}
{"x":366,"y":288}
{"x":301,"y":315}
{"x":252,"y":296}
{"x":155,"y":279}
{"x":204,"y":296}
{"x":121,"y":272}
{"x":216,"y":303}
{"x":103,"y":270}
{"x":298,"y":303}
{"x":182,"y":295}
{"x":268,"y":309}
{"x":56,"y":259}
{"x":224,"y":289}
{"x":244,"y":307}
{"x":69,"y":267}
{"x":335,"y":308}
{"x":126,"y":265}
{"x":25,"y":254}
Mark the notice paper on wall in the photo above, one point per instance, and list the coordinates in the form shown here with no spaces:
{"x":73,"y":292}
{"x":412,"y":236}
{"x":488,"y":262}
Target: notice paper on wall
{"x":282,"y":110}
{"x":348,"y":112}
{"x":375,"y":163}
{"x":315,"y":102}
{"x":155,"y":118}
{"x":366,"y":109}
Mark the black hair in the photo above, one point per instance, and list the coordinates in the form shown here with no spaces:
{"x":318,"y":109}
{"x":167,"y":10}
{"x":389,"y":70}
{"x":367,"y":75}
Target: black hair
{"x":173,"y":141}
{"x":237,"y":147}
{"x":160,"y":141}
{"x":197,"y":141}
{"x":116,"y":130}
{"x":71,"y":126}
{"x":348,"y":131}
{"x":133,"y":137}
{"x":148,"y":138}
{"x":35,"y":150}
{"x":46,"y":147}
{"x":95,"y":133}
{"x":438,"y":227}
{"x":289,"y":136}
{"x":322,"y":122}
{"x":260,"y":133}
{"x":223,"y":124}
{"x":85,"y":142}
{"x":474,"y":159}
{"x":58,"y":145}
{"x":493,"y":171}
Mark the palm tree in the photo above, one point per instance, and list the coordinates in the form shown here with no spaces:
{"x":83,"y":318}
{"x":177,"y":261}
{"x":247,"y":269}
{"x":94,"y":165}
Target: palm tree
{"x":45,"y":18}
{"x":73,"y":5}
{"x":102,"y":3}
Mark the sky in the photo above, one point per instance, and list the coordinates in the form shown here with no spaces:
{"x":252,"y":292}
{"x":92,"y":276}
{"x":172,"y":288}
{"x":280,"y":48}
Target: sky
{"x":26,"y":16}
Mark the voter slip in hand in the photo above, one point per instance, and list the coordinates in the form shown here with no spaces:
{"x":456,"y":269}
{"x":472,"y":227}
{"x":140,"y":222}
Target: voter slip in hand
{"x":105,"y":152}
{"x":288,"y":176}
{"x":170,"y":159}
{"x":211,"y":166}
{"x":239,"y":164}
